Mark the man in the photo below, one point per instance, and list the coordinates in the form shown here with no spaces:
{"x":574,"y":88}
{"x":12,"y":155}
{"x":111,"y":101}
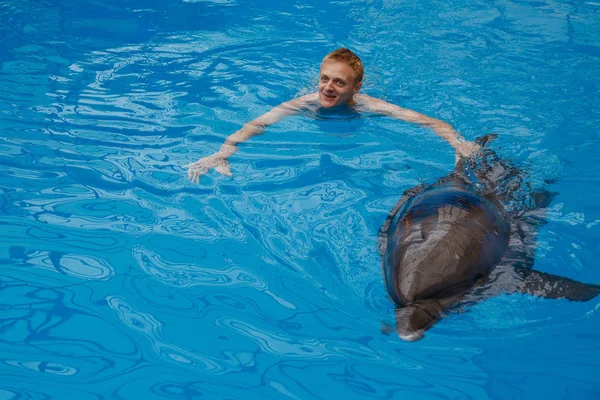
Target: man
{"x":340,"y":80}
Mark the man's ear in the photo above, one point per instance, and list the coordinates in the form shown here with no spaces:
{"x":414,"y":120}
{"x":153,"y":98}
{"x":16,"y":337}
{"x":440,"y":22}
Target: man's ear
{"x":357,"y":88}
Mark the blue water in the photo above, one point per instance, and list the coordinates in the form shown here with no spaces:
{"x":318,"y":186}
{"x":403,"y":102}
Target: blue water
{"x":121,"y":279}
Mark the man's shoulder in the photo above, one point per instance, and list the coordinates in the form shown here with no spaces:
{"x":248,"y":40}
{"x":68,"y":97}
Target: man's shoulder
{"x":362,"y":97}
{"x":291,"y":107}
{"x":307,"y":99}
{"x":368,"y":103}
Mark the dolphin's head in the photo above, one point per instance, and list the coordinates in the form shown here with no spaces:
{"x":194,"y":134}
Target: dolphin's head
{"x":439,"y":244}
{"x":425,"y":258}
{"x":413,"y":320}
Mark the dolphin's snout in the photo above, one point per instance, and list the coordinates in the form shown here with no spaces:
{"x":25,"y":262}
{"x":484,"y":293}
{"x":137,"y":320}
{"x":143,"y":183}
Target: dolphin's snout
{"x":413,"y":320}
{"x":411,"y":336}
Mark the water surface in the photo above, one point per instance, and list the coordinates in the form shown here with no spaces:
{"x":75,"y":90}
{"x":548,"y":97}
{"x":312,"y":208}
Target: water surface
{"x":121,"y":279}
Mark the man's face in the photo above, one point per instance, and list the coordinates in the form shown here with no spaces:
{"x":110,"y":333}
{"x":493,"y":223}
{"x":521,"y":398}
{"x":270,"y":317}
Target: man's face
{"x":337,"y":84}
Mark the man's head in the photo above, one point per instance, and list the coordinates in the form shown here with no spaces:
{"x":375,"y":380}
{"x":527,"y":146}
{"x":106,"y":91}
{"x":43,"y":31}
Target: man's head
{"x":341,"y":78}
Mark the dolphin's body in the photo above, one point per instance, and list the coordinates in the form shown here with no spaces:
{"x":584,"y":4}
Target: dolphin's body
{"x":455,"y":242}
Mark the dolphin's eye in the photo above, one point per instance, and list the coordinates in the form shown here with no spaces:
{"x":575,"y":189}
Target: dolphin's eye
{"x":427,"y":225}
{"x":414,"y":235}
{"x":417,"y":224}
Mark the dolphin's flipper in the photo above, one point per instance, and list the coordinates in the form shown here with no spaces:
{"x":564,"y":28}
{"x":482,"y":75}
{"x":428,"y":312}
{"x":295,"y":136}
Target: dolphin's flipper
{"x":550,"y":286}
{"x":382,"y":235}
{"x":508,"y":279}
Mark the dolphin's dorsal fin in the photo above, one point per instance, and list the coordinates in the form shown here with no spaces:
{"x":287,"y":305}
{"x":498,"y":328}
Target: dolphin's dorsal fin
{"x":486,"y":139}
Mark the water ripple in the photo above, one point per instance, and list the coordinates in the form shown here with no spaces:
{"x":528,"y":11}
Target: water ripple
{"x":121,"y":279}
{"x":151,"y":329}
{"x":75,"y":265}
{"x":191,"y":275}
{"x":43,"y":366}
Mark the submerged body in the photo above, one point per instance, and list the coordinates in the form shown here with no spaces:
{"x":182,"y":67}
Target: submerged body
{"x":451,"y":242}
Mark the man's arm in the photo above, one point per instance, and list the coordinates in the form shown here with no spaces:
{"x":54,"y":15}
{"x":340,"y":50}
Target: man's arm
{"x":441,"y":128}
{"x":218,"y":161}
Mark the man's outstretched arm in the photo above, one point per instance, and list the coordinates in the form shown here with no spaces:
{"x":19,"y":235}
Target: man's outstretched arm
{"x":218,"y":160}
{"x":441,"y":128}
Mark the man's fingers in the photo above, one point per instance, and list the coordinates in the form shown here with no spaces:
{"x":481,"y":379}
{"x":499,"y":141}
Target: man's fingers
{"x":195,"y":173}
{"x":201,"y":167}
{"x":192,"y":172}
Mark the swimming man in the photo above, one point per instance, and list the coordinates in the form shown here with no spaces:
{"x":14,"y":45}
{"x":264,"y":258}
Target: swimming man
{"x":340,"y":80}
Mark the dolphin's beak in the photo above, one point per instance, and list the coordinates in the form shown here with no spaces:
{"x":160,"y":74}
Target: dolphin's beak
{"x":408,"y":336}
{"x":413,"y":320}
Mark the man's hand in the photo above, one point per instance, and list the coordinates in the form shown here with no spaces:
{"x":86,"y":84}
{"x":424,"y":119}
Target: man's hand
{"x":203,"y":165}
{"x":465,"y":149}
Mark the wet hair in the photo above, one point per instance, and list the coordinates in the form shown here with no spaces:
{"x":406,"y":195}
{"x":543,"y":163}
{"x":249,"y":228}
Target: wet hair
{"x":345,"y":55}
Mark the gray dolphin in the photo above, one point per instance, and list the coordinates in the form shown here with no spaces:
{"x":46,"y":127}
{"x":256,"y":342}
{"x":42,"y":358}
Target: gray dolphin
{"x":470,"y":235}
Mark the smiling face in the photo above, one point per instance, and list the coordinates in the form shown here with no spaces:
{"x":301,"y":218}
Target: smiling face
{"x":337,"y":84}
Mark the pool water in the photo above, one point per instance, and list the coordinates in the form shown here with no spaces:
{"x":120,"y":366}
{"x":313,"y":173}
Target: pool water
{"x":121,"y":279}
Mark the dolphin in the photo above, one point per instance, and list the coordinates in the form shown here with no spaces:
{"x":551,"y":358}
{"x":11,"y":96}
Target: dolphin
{"x":468,"y":236}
